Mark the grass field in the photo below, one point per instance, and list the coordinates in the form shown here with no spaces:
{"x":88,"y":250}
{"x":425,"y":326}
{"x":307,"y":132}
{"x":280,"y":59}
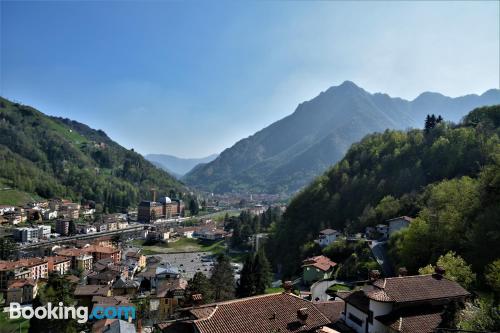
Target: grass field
{"x":15,"y":197}
{"x":182,"y":245}
{"x":13,"y":326}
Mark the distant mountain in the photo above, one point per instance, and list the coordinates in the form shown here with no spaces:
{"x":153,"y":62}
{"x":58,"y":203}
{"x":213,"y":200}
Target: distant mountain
{"x":178,"y":166}
{"x":56,"y":157}
{"x":289,"y":153}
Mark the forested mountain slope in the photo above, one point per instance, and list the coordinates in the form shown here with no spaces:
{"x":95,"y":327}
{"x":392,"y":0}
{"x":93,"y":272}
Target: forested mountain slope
{"x":448,"y":176}
{"x":289,"y":153}
{"x":55,"y":157}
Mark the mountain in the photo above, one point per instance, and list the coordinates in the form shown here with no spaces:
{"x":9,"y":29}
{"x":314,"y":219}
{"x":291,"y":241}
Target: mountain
{"x":177,"y":166}
{"x":56,"y":157}
{"x":289,"y":153}
{"x":448,"y":177}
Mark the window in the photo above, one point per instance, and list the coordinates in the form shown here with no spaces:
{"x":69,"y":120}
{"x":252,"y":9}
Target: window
{"x":355,"y":319}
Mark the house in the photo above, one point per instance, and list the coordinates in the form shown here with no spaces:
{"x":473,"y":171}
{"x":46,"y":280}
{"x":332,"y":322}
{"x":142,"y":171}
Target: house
{"x":124,"y":286}
{"x":84,"y":228}
{"x":327,"y":236}
{"x":11,"y":270}
{"x":169,"y":294}
{"x":398,"y":223}
{"x":84,"y":294}
{"x":137,"y":256}
{"x":59,"y":264}
{"x":7,"y":209}
{"x":409,"y":304}
{"x":282,"y":312}
{"x":317,"y":268}
{"x":102,"y":252}
{"x":105,"y":277}
{"x":210,"y":234}
{"x":113,"y":326}
{"x":39,"y":267}
{"x":84,"y":262}
{"x":21,"y":291}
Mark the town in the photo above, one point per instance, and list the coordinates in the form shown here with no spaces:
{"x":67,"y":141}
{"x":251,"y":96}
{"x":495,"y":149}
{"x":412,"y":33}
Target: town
{"x":133,"y":259}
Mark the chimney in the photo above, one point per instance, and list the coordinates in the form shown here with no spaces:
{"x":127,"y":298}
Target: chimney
{"x":402,"y":271}
{"x":374,"y":275}
{"x":288,"y":286}
{"x":302,"y":315}
{"x":439,"y":272}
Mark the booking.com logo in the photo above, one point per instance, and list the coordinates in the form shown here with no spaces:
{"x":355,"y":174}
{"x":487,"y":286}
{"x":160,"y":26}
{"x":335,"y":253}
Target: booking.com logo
{"x":81,"y":313}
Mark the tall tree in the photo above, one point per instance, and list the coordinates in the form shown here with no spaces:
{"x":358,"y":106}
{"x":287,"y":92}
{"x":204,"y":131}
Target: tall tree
{"x":8,"y":249}
{"x":222,"y":279}
{"x":200,"y":284}
{"x":56,"y":290}
{"x":263,"y":273}
{"x":246,"y":287}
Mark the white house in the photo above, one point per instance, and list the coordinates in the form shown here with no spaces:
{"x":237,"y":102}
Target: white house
{"x":409,"y":304}
{"x":398,"y":223}
{"x":327,"y":236}
{"x":49,"y":214}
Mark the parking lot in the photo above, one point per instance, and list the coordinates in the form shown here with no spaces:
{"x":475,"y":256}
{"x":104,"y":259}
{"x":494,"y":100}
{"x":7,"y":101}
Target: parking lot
{"x":192,"y":262}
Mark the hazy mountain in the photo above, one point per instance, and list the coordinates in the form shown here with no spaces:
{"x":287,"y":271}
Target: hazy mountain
{"x":56,"y":157}
{"x":178,"y":166}
{"x":286,"y":155}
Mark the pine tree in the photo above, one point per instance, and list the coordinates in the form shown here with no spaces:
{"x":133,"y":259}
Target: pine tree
{"x":222,"y":279}
{"x":263,"y":274}
{"x":246,"y":286}
{"x":427,"y":126}
{"x":200,"y":284}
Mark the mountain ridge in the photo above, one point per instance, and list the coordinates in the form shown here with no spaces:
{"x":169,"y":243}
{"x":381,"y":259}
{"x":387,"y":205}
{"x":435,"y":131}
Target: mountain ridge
{"x":268,"y":161}
{"x":178,"y":166}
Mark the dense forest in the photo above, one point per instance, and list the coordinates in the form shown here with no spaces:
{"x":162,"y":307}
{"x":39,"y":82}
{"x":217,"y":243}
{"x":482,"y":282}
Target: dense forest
{"x":55,"y":157}
{"x":447,"y":175}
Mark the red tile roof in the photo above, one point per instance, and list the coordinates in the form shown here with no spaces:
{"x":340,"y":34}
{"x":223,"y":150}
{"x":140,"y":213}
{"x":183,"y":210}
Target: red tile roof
{"x":331,"y":309}
{"x":320,"y":262}
{"x":416,"y":288}
{"x":262,"y":314}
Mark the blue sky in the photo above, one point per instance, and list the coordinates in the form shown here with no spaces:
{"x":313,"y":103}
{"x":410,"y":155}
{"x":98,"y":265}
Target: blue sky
{"x":192,"y":78}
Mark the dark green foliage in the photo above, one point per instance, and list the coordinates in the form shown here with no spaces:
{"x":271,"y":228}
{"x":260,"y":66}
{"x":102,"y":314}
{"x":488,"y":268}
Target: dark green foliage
{"x":222,"y":279}
{"x":56,"y":157}
{"x":56,"y":290}
{"x":193,"y":206}
{"x":256,"y":275}
{"x":200,"y":284}
{"x":399,"y":173}
{"x":8,"y":249}
{"x":359,"y":261}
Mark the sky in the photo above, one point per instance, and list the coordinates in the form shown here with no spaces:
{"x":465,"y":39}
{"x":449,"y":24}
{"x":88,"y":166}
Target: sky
{"x":192,"y":78}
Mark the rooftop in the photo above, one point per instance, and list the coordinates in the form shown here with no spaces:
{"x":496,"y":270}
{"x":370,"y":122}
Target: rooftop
{"x":265,"y":313}
{"x":320,"y":262}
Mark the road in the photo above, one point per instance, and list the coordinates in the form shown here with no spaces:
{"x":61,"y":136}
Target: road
{"x":318,"y":290}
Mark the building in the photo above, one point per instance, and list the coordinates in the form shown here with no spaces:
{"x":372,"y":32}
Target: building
{"x":137,"y":256}
{"x":84,"y":294}
{"x":11,"y":270}
{"x":84,"y":262}
{"x":317,"y":268}
{"x":59,"y":264}
{"x":149,"y":211}
{"x":257,"y":209}
{"x":102,"y":252}
{"x":85,"y":228}
{"x":327,"y":236}
{"x":26,"y":235}
{"x":44,"y":231}
{"x":398,"y":223}
{"x":409,"y":304}
{"x":21,"y":291}
{"x":283,"y":312}
{"x":49,"y":214}
{"x":210,"y":234}
{"x":39,"y":267}
{"x":65,"y":227}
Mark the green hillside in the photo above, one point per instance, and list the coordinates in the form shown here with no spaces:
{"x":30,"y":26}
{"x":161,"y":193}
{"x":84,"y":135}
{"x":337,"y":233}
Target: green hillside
{"x":448,"y":176}
{"x":55,"y":157}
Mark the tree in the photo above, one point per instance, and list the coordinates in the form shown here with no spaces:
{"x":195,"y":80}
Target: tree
{"x":263,"y":273}
{"x":200,"y":284}
{"x":222,"y":279}
{"x":8,"y":248}
{"x":456,"y":269}
{"x":481,"y":316}
{"x":193,"y":207}
{"x":56,"y":290}
{"x":492,"y":277}
{"x":246,"y":287}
